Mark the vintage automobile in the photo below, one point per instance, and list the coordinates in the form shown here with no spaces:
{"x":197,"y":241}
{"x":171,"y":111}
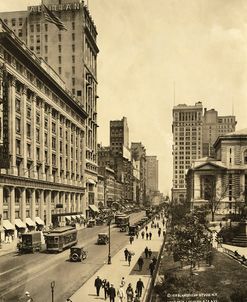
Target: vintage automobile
{"x":99,"y":221}
{"x":77,"y":253}
{"x":124,"y":228}
{"x":133,"y":230}
{"x":91,"y":223}
{"x":103,"y":238}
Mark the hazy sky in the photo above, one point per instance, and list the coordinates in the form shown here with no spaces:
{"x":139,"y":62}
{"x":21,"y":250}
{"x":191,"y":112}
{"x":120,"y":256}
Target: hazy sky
{"x":146,"y":46}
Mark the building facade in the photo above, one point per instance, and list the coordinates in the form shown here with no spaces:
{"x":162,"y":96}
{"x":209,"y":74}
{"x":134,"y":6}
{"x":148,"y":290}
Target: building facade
{"x":152,"y":166}
{"x":42,"y":144}
{"x":224,"y":177}
{"x":194,"y":134}
{"x":214,"y":126}
{"x":138,"y":153}
{"x":73,"y":55}
{"x":187,"y":144}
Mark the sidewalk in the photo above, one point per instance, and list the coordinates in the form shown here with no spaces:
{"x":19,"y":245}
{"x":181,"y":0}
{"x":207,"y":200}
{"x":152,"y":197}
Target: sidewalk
{"x":241,"y":250}
{"x":120,"y":268}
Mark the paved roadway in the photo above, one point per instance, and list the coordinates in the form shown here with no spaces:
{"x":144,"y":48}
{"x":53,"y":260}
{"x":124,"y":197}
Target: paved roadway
{"x":34,"y":272}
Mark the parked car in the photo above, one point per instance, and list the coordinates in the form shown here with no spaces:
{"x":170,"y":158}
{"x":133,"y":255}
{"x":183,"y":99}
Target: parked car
{"x":133,"y":230}
{"x":91,"y":223}
{"x":103,"y":238}
{"x":77,"y":253}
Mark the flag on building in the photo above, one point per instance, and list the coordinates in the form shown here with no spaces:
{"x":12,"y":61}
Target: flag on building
{"x":52,"y":18}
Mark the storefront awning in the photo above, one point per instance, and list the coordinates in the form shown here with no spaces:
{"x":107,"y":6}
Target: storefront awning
{"x":39,"y":221}
{"x":68,"y":218}
{"x":94,"y":208}
{"x":73,"y":217}
{"x":7,"y":225}
{"x":91,"y":181}
{"x":20,"y":224}
{"x":78,"y":216}
{"x":29,"y":222}
{"x":82,"y":216}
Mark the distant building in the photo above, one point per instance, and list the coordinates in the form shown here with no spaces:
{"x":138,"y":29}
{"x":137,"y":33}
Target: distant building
{"x":152,"y":166}
{"x":193,"y":137}
{"x":214,"y":126}
{"x":138,"y":153}
{"x":228,"y":171}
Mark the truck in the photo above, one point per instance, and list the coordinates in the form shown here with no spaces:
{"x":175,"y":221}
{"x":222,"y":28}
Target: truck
{"x":29,"y":242}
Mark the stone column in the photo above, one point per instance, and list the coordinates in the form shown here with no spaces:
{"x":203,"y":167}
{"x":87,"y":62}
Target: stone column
{"x":48,"y":208}
{"x":64,"y":180}
{"x":33,"y":205}
{"x":41,"y":205}
{"x":12,"y":125}
{"x":24,"y":132}
{"x":68,"y":205}
{"x":12,"y":205}
{"x":69,"y":154}
{"x":42,"y":139}
{"x":197,"y":187}
{"x":23,"y":205}
{"x":33,"y":137}
{"x":50,"y":143}
{"x":1,"y":214}
{"x":58,"y":148}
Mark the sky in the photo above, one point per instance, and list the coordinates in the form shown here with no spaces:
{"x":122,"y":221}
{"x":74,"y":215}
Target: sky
{"x":154,"y":54}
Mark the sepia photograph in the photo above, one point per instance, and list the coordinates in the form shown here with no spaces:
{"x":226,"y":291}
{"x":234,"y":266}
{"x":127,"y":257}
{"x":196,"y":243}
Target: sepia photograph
{"x":123,"y":151}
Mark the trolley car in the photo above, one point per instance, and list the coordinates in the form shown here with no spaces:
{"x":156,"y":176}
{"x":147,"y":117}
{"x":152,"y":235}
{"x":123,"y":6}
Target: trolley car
{"x":123,"y":221}
{"x":60,"y":238}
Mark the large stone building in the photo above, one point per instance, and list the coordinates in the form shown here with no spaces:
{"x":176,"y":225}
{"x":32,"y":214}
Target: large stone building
{"x":73,"y":55}
{"x":138,"y":153}
{"x":152,"y":168}
{"x":223,"y":178}
{"x":42,"y":141}
{"x":193,"y":137}
{"x":214,"y":126}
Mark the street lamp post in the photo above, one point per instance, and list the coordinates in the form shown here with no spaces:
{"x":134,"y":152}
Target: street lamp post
{"x":109,"y":251}
{"x":52,"y":290}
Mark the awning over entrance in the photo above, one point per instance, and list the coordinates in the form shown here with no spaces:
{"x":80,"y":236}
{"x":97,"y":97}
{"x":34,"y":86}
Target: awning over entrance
{"x":78,"y":216}
{"x":39,"y":221}
{"x":82,"y":216}
{"x":93,"y":208}
{"x":20,"y":224}
{"x":68,"y":218}
{"x":29,"y":222}
{"x":7,"y":225}
{"x":91,"y":181}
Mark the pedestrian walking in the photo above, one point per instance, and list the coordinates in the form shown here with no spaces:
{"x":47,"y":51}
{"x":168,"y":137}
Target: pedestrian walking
{"x":147,"y":236}
{"x":106,"y":285}
{"x":112,"y":293}
{"x":139,"y":287}
{"x":146,"y":228}
{"x":137,"y":234}
{"x":98,"y":284}
{"x":150,"y":235}
{"x":163,"y":222}
{"x":126,"y":252}
{"x":164,"y":233}
{"x":120,"y":293}
{"x":131,"y":239}
{"x":129,"y":258}
{"x":137,"y":298}
{"x":154,"y":260}
{"x":149,"y":253}
{"x":28,"y":297}
{"x":151,"y":268}
{"x":140,"y":263}
{"x":142,"y":233}
{"x":146,"y":252}
{"x":122,"y":281}
{"x":130,"y":293}
{"x":159,"y":232}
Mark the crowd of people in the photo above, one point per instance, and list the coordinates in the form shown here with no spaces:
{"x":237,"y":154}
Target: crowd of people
{"x":123,"y":291}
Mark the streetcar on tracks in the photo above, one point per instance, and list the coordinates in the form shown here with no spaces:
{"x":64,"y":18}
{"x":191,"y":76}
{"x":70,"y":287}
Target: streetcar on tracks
{"x":60,"y":238}
{"x":29,"y":242}
{"x":123,"y":220}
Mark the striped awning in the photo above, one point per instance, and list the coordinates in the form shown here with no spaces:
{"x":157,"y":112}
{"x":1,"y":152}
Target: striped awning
{"x":7,"y":225}
{"x":93,"y":208}
{"x":20,"y":224}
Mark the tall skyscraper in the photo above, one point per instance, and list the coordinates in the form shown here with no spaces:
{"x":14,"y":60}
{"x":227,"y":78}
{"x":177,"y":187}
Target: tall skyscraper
{"x":119,"y":137}
{"x":152,"y":166}
{"x":193,"y":137}
{"x":187,"y":143}
{"x":73,"y":55}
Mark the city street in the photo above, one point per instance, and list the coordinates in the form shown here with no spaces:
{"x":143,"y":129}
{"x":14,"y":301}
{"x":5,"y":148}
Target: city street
{"x":35,"y":272}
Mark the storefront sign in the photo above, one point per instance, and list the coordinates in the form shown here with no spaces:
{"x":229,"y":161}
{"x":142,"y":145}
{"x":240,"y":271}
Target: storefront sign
{"x":55,"y":7}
